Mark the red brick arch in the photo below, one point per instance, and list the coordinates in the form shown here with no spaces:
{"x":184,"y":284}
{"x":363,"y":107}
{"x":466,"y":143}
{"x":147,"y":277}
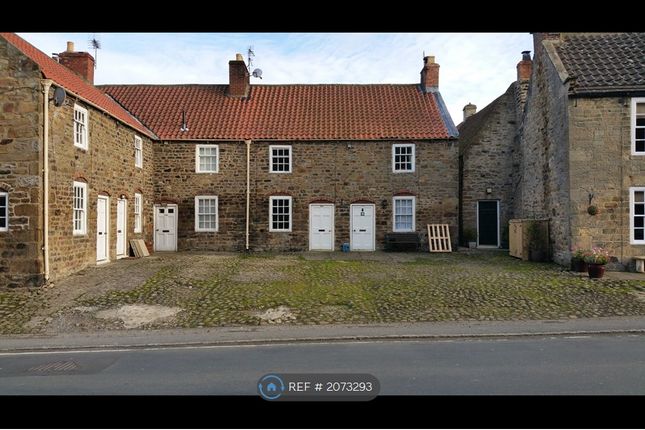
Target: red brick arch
{"x":80,"y":177}
{"x":166,"y":200}
{"x":279,"y":193}
{"x":404,"y":193}
{"x":321,"y":200}
{"x":359,"y":201}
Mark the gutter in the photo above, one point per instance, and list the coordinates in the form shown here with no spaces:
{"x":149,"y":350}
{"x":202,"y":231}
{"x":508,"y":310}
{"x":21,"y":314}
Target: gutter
{"x":46,"y":83}
{"x":608,"y":91}
{"x":248,"y":189}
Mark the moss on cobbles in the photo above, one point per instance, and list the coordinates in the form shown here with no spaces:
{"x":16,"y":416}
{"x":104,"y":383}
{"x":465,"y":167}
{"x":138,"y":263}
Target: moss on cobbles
{"x":16,"y":309}
{"x":430,"y":288}
{"x":216,"y":290}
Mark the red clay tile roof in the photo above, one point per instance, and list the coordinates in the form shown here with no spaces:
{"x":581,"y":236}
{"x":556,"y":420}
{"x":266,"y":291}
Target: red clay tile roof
{"x":73,"y":83}
{"x":287,"y":112}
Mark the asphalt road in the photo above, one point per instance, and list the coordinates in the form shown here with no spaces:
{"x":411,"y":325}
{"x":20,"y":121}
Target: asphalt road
{"x":533,"y":365}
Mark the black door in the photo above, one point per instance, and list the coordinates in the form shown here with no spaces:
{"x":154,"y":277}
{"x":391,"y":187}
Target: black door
{"x":487,"y":223}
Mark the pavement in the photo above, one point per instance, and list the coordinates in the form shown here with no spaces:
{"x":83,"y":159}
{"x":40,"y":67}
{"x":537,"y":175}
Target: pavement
{"x":285,"y":334}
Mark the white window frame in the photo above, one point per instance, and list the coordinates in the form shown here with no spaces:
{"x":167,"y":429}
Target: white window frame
{"x":632,"y":204}
{"x":6,"y":210}
{"x":138,"y":216}
{"x":635,"y":101}
{"x":197,"y":164}
{"x":402,"y":145}
{"x":414,"y":212}
{"x":197,"y":228}
{"x":138,"y":152}
{"x":85,"y":137}
{"x":271,"y":200}
{"x":83,"y":230}
{"x":271,"y":148}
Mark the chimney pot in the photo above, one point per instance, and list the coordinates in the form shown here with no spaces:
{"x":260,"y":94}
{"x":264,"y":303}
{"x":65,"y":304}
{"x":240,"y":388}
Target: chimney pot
{"x":469,"y":110}
{"x":70,"y":46}
{"x":239,"y":57}
{"x":526,"y":55}
{"x":429,"y":74}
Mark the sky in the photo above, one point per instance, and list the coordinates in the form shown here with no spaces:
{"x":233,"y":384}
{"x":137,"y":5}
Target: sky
{"x":475,"y":67}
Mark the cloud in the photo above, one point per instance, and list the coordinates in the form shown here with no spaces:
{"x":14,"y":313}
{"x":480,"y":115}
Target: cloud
{"x":475,"y":67}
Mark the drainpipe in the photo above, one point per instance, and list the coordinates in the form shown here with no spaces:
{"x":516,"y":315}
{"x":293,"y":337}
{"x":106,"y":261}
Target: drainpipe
{"x":248,"y":189}
{"x":46,"y":83}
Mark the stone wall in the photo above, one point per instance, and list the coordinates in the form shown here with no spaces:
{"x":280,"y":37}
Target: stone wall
{"x":488,"y":162}
{"x":341,"y":172}
{"x":20,"y":165}
{"x":175,"y":181}
{"x":544,"y":170}
{"x":108,"y":169}
{"x":601,"y":163}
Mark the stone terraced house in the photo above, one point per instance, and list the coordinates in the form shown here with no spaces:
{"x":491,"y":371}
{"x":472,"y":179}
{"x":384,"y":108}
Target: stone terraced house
{"x":84,"y":168}
{"x":572,"y":151}
{"x":489,"y":163}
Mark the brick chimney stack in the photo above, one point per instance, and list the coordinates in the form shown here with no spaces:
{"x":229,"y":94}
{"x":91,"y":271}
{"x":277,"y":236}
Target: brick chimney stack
{"x":469,"y":110}
{"x":429,"y":75}
{"x":524,"y":67}
{"x":239,"y":82}
{"x":80,"y":63}
{"x":524,"y":70}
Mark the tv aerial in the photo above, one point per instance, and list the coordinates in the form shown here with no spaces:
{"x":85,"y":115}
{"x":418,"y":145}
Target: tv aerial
{"x":95,"y":44}
{"x":257,"y":73}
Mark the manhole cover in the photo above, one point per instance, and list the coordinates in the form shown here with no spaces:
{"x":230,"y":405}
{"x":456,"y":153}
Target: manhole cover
{"x":55,"y":367}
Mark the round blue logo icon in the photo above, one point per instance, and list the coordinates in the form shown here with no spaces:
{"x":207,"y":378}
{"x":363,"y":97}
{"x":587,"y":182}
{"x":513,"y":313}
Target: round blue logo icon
{"x":271,"y":387}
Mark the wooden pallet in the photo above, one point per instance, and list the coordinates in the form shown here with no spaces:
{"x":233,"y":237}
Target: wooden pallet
{"x":439,"y":238}
{"x":139,"y":248}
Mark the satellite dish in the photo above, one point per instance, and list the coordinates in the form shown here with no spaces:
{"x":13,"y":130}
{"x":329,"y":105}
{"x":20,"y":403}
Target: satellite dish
{"x":257,"y":73}
{"x":59,"y":96}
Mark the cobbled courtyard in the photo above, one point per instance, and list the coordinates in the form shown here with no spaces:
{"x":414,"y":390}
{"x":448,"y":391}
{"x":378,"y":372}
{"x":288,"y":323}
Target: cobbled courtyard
{"x":199,"y":289}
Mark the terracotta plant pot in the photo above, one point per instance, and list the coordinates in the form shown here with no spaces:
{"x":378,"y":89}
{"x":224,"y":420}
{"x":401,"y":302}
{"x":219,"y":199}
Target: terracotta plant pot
{"x":578,"y":265}
{"x":596,"y":270}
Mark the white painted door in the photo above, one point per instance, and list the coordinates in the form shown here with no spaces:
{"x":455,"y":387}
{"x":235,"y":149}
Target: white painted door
{"x":321,"y":227}
{"x":121,"y":228}
{"x":362,"y":227}
{"x":166,"y":228}
{"x":102,"y":215}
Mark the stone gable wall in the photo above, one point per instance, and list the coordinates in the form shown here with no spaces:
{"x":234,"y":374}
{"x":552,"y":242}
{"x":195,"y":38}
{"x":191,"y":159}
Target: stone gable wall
{"x":544,"y":146}
{"x":20,"y":165}
{"x":488,"y":164}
